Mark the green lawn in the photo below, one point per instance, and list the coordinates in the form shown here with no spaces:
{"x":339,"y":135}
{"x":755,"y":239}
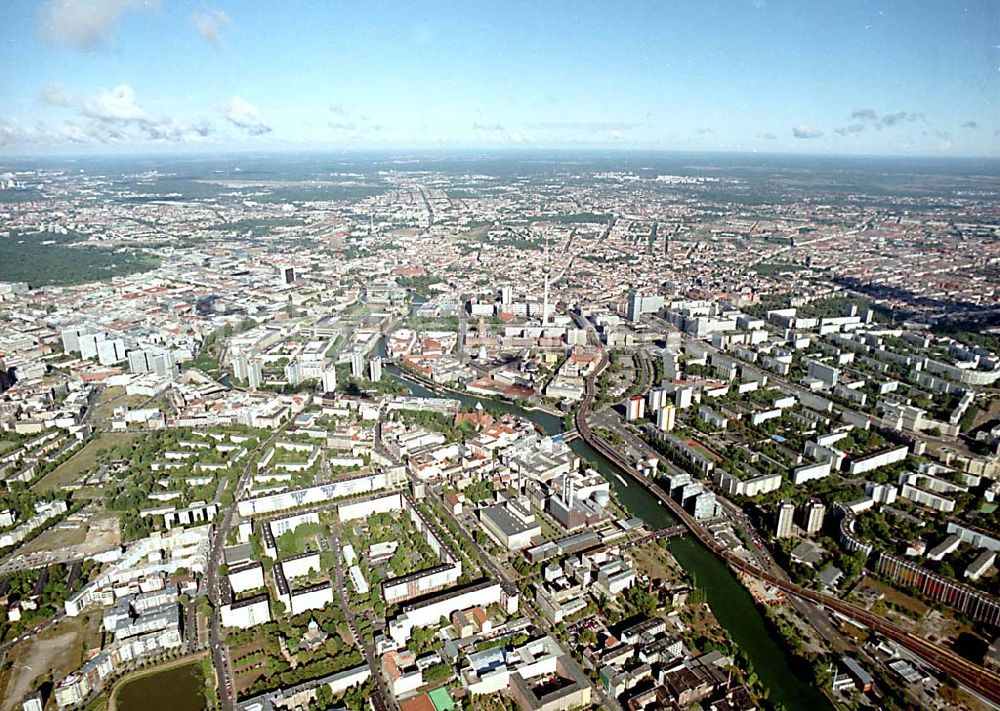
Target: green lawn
{"x":7,"y":445}
{"x":70,"y":470}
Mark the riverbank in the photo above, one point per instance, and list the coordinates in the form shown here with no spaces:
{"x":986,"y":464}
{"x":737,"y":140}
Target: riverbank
{"x":729,"y":601}
{"x":412,"y":377}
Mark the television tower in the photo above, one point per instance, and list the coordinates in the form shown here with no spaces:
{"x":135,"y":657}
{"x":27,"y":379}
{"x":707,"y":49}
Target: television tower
{"x":546,"y":270}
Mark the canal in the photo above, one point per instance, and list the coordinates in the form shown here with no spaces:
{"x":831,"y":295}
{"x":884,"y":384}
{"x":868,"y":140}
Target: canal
{"x":728,"y":599}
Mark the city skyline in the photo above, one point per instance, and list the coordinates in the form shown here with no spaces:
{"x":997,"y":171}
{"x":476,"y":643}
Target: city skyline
{"x":122,"y":76}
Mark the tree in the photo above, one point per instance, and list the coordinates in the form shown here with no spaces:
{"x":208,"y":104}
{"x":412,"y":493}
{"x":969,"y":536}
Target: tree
{"x":437,"y":672}
{"x":324,"y":697}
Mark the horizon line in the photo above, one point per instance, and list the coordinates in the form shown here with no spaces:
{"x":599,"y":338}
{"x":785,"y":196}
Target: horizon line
{"x":429,"y":151}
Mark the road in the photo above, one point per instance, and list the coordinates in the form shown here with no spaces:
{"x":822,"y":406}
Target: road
{"x":220,"y":654}
{"x":798,"y":390}
{"x":974,"y":676}
{"x":388,"y":699}
{"x":501,"y":574}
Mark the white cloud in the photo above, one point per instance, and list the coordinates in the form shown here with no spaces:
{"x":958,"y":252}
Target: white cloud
{"x":586,"y":126}
{"x":244,"y":115}
{"x":84,"y":24}
{"x":118,"y":105}
{"x":349,"y":122}
{"x":8,"y":133}
{"x":211,"y":24}
{"x":806,"y":132}
{"x":496,"y":133}
{"x":111,"y":116}
{"x":487,"y":128}
{"x":54,"y":95}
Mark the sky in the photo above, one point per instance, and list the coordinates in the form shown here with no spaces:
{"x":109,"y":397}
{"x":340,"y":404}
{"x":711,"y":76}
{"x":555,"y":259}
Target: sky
{"x":850,"y":77}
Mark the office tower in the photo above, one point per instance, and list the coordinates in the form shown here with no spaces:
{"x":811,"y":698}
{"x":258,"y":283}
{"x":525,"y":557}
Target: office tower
{"x":637,"y":304}
{"x":375,"y":369}
{"x":633,"y":308}
{"x":357,"y":365}
{"x":786,"y":514}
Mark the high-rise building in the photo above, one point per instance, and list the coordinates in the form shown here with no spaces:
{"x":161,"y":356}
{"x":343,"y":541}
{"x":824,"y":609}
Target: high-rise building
{"x":637,"y":304}
{"x":633,"y":308}
{"x":110,"y":352}
{"x":32,"y":702}
{"x":506,"y":295}
{"x":88,"y":343}
{"x":293,"y":372}
{"x":357,"y":365}
{"x":375,"y":369}
{"x":546,"y":269}
{"x":703,"y":505}
{"x":666,"y":418}
{"x":786,"y":515}
{"x":71,"y":338}
{"x":255,"y":374}
{"x":813,"y":514}
{"x":671,"y":365}
{"x":287,"y":275}
{"x":683,"y":397}
{"x":162,"y":363}
{"x":156,"y":361}
{"x":240,"y":367}
{"x":329,"y":380}
{"x":635,"y":408}
{"x":657,"y":399}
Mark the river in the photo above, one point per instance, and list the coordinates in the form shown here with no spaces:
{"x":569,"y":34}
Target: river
{"x":728,"y":599}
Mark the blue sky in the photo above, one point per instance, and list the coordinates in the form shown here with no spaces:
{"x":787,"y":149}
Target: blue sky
{"x":844,"y":77}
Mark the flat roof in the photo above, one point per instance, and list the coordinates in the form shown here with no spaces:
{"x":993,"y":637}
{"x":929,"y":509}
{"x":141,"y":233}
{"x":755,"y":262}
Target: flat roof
{"x":504,"y":520}
{"x":441,"y":700}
